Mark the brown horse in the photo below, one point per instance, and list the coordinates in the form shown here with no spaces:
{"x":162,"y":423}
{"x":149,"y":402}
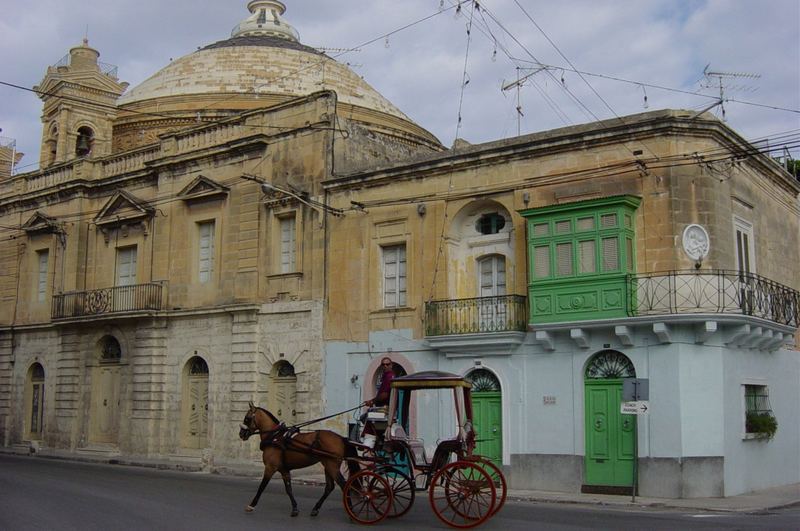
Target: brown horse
{"x":285,"y":449}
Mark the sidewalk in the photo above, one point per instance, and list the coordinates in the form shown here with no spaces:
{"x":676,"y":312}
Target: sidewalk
{"x":753,"y":502}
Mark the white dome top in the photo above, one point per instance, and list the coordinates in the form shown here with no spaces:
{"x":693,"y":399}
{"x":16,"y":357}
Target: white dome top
{"x":265,"y":19}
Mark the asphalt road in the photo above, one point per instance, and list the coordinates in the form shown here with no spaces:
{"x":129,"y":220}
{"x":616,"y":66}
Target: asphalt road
{"x":48,"y":494}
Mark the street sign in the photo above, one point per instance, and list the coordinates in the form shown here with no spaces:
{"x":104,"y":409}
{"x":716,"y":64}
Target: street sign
{"x":635,"y":389}
{"x":638,"y":407}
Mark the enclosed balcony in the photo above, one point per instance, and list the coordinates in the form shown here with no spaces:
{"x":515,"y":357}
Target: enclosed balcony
{"x":107,"y":301}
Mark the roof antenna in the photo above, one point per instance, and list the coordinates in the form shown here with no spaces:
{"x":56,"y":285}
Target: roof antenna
{"x":714,"y":80}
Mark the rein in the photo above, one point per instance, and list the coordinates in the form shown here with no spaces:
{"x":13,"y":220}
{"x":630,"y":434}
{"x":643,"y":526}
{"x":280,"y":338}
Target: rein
{"x":296,"y":427}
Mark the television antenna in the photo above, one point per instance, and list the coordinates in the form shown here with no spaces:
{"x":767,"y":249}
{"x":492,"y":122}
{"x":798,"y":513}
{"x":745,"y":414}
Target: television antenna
{"x":721,"y":80}
{"x":521,"y":79}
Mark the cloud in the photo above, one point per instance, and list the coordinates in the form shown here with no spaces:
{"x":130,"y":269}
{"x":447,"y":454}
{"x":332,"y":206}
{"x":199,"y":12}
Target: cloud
{"x":659,"y":42}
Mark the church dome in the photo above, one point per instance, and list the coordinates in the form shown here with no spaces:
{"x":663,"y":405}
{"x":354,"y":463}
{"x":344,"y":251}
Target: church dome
{"x":262,"y":64}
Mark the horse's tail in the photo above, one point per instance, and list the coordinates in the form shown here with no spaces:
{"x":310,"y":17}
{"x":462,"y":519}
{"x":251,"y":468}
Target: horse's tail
{"x":352,"y":463}
{"x":351,"y":457}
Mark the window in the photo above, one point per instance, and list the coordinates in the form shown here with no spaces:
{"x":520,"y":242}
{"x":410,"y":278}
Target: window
{"x":205,"y":251}
{"x":490,"y":223}
{"x":394,"y":276}
{"x":492,"y":276}
{"x":126,"y":266}
{"x":759,"y":420}
{"x":288,"y":244}
{"x":743,"y":231}
{"x":41,"y":290}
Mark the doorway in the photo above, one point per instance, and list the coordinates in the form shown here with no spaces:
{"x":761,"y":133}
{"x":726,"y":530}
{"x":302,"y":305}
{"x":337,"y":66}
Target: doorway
{"x":487,"y":411}
{"x":195,"y":403}
{"x":609,"y":459}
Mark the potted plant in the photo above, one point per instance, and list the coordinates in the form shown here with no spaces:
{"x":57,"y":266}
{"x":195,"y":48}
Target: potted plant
{"x":763,"y":424}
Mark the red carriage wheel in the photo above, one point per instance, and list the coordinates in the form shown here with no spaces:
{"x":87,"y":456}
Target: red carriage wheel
{"x":403,"y":490}
{"x":367,"y":497}
{"x":462,"y":494}
{"x":497,"y":477}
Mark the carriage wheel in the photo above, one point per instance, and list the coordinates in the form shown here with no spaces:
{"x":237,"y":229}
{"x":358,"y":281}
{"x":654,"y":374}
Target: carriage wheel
{"x":497,"y":477}
{"x":462,"y":494}
{"x":403,"y":490}
{"x":367,"y":497}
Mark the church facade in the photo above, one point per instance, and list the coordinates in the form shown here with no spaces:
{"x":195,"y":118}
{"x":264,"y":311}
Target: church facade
{"x":187,"y":247}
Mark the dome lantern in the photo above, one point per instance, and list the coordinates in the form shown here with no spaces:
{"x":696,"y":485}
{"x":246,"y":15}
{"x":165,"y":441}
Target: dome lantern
{"x":265,"y":19}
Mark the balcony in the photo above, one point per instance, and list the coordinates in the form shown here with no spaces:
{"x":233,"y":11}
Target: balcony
{"x":107,"y":301}
{"x":477,"y":326}
{"x":712,"y":292}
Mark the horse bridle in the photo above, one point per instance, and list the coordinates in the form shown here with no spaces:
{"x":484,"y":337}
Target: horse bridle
{"x":247,"y":428}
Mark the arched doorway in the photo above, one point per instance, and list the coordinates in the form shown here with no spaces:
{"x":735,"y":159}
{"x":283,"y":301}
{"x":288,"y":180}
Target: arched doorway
{"x":105,"y":392}
{"x":609,"y":434}
{"x":487,"y":412}
{"x":282,"y":392}
{"x":377,"y":378}
{"x":195,"y":403}
{"x":34,"y":400}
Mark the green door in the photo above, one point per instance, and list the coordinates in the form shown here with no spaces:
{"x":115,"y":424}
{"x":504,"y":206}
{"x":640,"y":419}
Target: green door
{"x":609,"y":435}
{"x":487,"y":413}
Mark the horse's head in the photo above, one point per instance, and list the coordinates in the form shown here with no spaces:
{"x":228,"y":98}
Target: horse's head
{"x":256,"y":420}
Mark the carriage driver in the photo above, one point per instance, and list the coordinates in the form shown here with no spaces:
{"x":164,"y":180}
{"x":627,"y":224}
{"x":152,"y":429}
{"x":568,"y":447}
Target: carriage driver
{"x":382,"y":397}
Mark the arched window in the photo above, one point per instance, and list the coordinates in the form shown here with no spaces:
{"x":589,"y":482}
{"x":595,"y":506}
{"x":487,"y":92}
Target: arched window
{"x":198,"y":366}
{"x":610,"y":364}
{"x":85,"y":141}
{"x":110,"y":350}
{"x":483,"y":381}
{"x":283,"y":369}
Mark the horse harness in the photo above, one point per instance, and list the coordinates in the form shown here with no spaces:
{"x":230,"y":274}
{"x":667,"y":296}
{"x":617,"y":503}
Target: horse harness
{"x":283,"y":437}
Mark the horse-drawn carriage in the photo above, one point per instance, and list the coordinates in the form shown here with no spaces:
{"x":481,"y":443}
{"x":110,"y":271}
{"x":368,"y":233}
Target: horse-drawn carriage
{"x":385,"y":474}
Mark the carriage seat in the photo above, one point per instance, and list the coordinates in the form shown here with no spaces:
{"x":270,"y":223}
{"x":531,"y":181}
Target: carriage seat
{"x":417,"y":446}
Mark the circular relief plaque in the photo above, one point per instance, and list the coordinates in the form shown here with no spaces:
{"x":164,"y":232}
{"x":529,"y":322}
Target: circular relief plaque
{"x":696,"y":242}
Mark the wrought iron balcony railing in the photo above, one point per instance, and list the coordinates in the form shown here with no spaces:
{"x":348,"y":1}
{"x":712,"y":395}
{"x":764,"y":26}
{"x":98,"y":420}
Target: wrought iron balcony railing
{"x":712,"y":291}
{"x":501,"y":313}
{"x":134,"y":298}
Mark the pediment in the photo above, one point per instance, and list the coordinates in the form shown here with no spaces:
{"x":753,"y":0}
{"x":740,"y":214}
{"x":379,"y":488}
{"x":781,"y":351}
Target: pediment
{"x":203,"y":188}
{"x":93,"y":80}
{"x":40,"y":222}
{"x":123,"y":208}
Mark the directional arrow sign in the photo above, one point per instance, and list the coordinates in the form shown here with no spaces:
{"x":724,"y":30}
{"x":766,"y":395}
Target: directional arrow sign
{"x":640,"y":407}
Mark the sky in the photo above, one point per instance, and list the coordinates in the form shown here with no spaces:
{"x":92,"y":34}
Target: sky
{"x":455,"y":62}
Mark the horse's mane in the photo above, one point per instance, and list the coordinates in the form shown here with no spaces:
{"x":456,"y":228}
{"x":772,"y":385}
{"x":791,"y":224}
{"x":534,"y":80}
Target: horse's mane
{"x":270,"y":415}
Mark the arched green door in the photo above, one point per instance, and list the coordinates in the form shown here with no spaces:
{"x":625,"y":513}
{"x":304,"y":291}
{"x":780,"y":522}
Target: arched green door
{"x":609,"y":434}
{"x":487,"y":414}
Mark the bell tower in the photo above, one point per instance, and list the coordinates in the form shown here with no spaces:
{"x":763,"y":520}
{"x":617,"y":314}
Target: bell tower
{"x":79,"y":95}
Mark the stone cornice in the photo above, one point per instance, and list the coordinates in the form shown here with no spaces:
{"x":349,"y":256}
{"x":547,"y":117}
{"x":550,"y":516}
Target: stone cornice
{"x":627,"y":129}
